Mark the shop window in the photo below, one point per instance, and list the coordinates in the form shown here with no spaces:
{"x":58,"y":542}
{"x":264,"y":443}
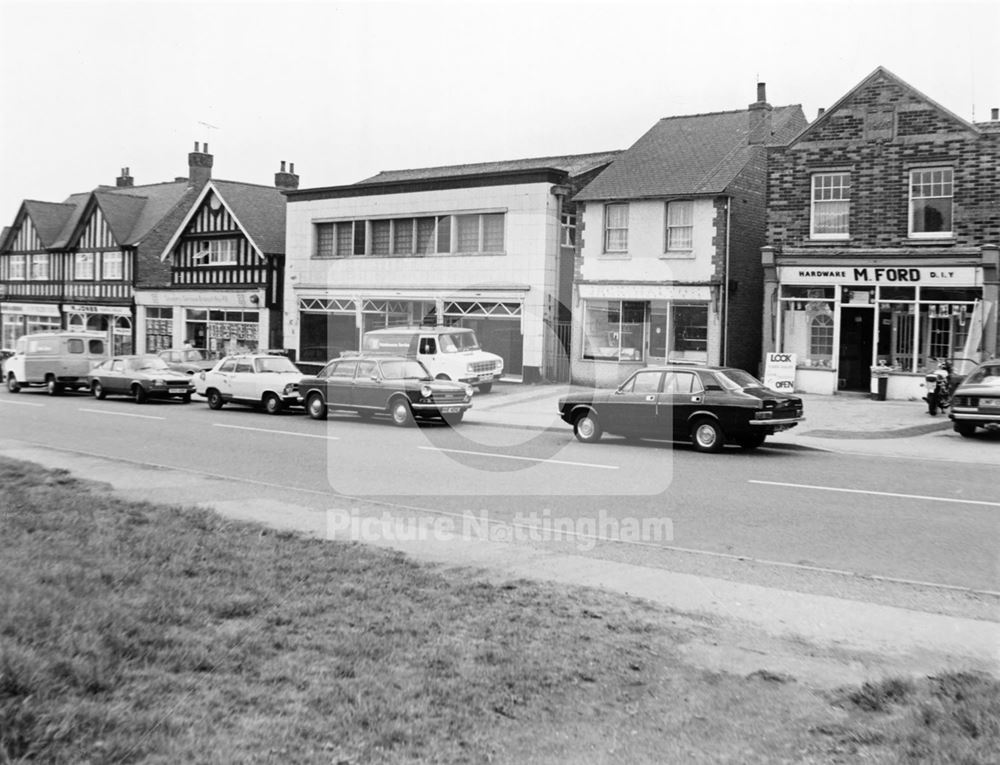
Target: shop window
{"x":807,"y":325}
{"x":614,"y":330}
{"x":689,"y":332}
{"x":930,"y":202}
{"x":831,"y":195}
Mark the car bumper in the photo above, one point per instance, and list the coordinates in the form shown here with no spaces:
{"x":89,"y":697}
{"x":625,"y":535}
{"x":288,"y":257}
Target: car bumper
{"x":976,"y":417}
{"x":440,"y":409}
{"x":776,"y":426}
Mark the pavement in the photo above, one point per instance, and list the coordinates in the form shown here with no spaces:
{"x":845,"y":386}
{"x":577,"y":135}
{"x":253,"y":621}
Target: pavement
{"x":844,"y":422}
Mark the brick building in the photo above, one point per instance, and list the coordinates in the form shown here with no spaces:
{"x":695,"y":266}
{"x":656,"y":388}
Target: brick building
{"x":668,"y":265}
{"x":882,"y":240}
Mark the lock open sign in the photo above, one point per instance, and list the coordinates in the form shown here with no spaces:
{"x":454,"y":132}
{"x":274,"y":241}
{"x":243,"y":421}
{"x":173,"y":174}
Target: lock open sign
{"x":779,"y":372}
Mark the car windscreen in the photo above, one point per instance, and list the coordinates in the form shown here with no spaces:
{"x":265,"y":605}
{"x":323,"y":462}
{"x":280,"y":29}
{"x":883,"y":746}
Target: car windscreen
{"x":404,"y":370}
{"x":275,"y":364}
{"x":984,"y":376}
{"x":735,"y":379}
{"x":194,"y":355}
{"x":453,"y":342}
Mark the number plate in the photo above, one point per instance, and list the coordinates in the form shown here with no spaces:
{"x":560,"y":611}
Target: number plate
{"x":451,"y":410}
{"x":485,"y":378}
{"x":990,"y":402}
{"x":178,"y":390}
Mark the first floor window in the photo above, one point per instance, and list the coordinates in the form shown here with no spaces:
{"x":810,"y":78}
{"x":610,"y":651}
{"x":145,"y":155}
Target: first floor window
{"x":680,"y":225}
{"x":83,"y":265}
{"x":930,"y":202}
{"x":217,"y":252}
{"x":567,"y":226}
{"x":831,"y":200}
{"x":111,"y":265}
{"x":17,"y":267}
{"x":616,"y":228}
{"x":326,"y":240}
{"x":40,"y":267}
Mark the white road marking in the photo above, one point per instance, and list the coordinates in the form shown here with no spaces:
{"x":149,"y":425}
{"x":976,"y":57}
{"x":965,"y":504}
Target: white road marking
{"x":515,"y":457}
{"x":123,"y":414}
{"x":276,"y":432}
{"x":20,"y":403}
{"x":881,"y":493}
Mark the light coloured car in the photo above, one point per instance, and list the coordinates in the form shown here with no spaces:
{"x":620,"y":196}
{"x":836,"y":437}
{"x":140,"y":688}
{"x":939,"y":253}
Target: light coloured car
{"x":252,"y":379}
{"x":976,"y":401}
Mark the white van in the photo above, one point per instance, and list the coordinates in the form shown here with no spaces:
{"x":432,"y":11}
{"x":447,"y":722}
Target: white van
{"x":449,"y":353}
{"x":57,"y":360}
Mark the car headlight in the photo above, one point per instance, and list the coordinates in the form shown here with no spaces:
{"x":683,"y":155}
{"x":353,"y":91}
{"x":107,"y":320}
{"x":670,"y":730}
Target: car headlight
{"x":425,"y":391}
{"x":469,"y":390}
{"x":290,"y":388}
{"x":470,"y":368}
{"x":158,"y":381}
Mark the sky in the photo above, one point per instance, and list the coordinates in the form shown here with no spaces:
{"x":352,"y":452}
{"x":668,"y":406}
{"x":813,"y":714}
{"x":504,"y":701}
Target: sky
{"x":346,"y":89}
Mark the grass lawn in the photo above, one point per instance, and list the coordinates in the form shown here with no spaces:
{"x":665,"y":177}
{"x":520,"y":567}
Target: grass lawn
{"x":142,"y":633}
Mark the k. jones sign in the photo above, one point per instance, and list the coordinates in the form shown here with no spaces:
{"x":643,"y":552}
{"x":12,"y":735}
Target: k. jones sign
{"x":937,"y":276}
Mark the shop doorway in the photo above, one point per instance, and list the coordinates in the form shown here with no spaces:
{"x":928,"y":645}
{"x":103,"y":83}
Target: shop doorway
{"x":857,"y":329}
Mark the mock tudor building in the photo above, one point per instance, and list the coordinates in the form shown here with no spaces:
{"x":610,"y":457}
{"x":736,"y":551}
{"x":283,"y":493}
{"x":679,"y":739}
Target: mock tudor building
{"x":192,"y":259}
{"x":669,"y":246}
{"x":882,"y":240}
{"x":487,"y":246}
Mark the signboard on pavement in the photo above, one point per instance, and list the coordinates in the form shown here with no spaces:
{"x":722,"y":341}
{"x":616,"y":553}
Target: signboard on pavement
{"x":779,"y":372}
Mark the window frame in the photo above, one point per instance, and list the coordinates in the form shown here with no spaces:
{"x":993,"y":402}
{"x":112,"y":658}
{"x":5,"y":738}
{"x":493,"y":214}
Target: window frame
{"x":815,"y":203}
{"x":680,"y":204}
{"x":608,"y":229}
{"x":18,"y":268}
{"x":81,"y":259}
{"x":113,"y":265}
{"x":40,"y":265}
{"x":216,"y":252}
{"x":948,"y":233}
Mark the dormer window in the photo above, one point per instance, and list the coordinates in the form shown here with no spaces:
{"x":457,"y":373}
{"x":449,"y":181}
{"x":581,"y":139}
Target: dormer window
{"x":217,"y":252}
{"x":930,"y":203}
{"x":831,"y":206}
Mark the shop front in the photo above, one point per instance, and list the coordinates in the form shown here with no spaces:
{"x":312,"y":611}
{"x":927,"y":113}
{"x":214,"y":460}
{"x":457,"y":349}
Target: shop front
{"x":626,"y":327}
{"x":20,"y":319}
{"x":841,"y":320}
{"x":220,"y":322}
{"x":115,"y":321}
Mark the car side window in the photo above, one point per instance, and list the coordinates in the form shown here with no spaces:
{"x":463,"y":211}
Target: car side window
{"x":244,"y":367}
{"x":96,"y":347}
{"x":118,"y":366}
{"x":74,"y":345}
{"x":344,"y":370}
{"x":681,"y":382}
{"x":228,"y":367}
{"x":646,"y":382}
{"x":427,"y":345}
{"x":366,"y":369}
{"x":327,"y":371}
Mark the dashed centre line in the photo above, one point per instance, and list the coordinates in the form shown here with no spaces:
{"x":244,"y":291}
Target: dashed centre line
{"x":123,"y":414}
{"x":924,"y":497}
{"x":20,"y":403}
{"x":276,"y":432}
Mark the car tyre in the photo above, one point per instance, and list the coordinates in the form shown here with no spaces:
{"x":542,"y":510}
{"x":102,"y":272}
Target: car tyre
{"x":98,"y":391}
{"x":316,"y":407}
{"x":399,"y":409}
{"x":13,"y":386}
{"x":753,"y":441}
{"x":272,"y":404}
{"x":965,"y":429}
{"x":707,"y":436}
{"x":485,"y":387}
{"x":51,"y":386}
{"x":214,"y":399}
{"x":139,"y":394}
{"x":587,"y":428}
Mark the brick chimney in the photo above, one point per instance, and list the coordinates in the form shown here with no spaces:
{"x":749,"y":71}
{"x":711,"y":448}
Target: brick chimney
{"x":199,"y":165}
{"x":124,"y":179}
{"x":759,"y":114}
{"x":286,"y":180}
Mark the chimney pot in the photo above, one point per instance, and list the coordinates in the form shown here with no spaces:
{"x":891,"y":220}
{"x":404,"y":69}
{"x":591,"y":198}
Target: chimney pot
{"x":821,"y":112}
{"x":995,"y":114}
{"x":761,"y":92}
{"x":282,"y":165}
{"x":200,"y":164}
{"x":205,"y":149}
{"x":291,"y":167}
{"x":286,"y":179}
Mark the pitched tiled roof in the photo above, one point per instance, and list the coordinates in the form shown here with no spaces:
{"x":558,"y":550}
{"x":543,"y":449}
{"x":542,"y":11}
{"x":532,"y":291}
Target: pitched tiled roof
{"x":260,"y":210}
{"x":159,"y":200}
{"x":573,"y":165}
{"x":694,"y":154}
{"x":49,"y":219}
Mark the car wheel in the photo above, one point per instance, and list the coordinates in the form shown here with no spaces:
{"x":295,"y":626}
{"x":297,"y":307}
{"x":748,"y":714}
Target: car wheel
{"x":399,"y":408}
{"x":707,"y":436}
{"x":272,"y":404}
{"x":98,"y":391}
{"x":485,"y":387}
{"x":139,"y":394}
{"x":752,"y":441}
{"x":965,"y":429}
{"x":587,"y":428}
{"x":12,"y":384}
{"x":51,"y":386}
{"x":214,"y":399}
{"x":316,"y":407}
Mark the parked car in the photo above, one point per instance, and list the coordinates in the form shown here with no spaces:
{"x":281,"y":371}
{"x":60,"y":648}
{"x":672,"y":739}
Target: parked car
{"x":58,"y":360}
{"x":398,"y":386}
{"x":140,"y":377}
{"x":711,"y":406}
{"x":449,"y":353}
{"x":189,"y":360}
{"x":253,"y":379}
{"x":976,"y":401}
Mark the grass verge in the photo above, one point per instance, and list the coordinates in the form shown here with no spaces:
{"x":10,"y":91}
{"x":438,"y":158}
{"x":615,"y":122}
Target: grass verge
{"x":132,"y":632}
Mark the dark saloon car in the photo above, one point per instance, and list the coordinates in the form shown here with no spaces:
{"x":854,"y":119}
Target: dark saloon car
{"x":139,"y":377}
{"x":976,"y":401}
{"x":710,"y":406}
{"x":393,"y":385}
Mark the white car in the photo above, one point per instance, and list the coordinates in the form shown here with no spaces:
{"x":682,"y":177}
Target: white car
{"x":253,"y":379}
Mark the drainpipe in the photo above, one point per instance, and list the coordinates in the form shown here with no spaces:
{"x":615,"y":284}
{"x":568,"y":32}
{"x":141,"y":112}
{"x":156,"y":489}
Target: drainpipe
{"x":725,"y":288}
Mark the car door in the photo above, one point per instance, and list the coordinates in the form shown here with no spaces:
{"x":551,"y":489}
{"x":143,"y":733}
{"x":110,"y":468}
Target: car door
{"x":245,"y":381}
{"x":368,"y":390}
{"x":338,"y":383}
{"x":633,"y":406}
{"x":683,"y":394}
{"x":115,"y":380}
